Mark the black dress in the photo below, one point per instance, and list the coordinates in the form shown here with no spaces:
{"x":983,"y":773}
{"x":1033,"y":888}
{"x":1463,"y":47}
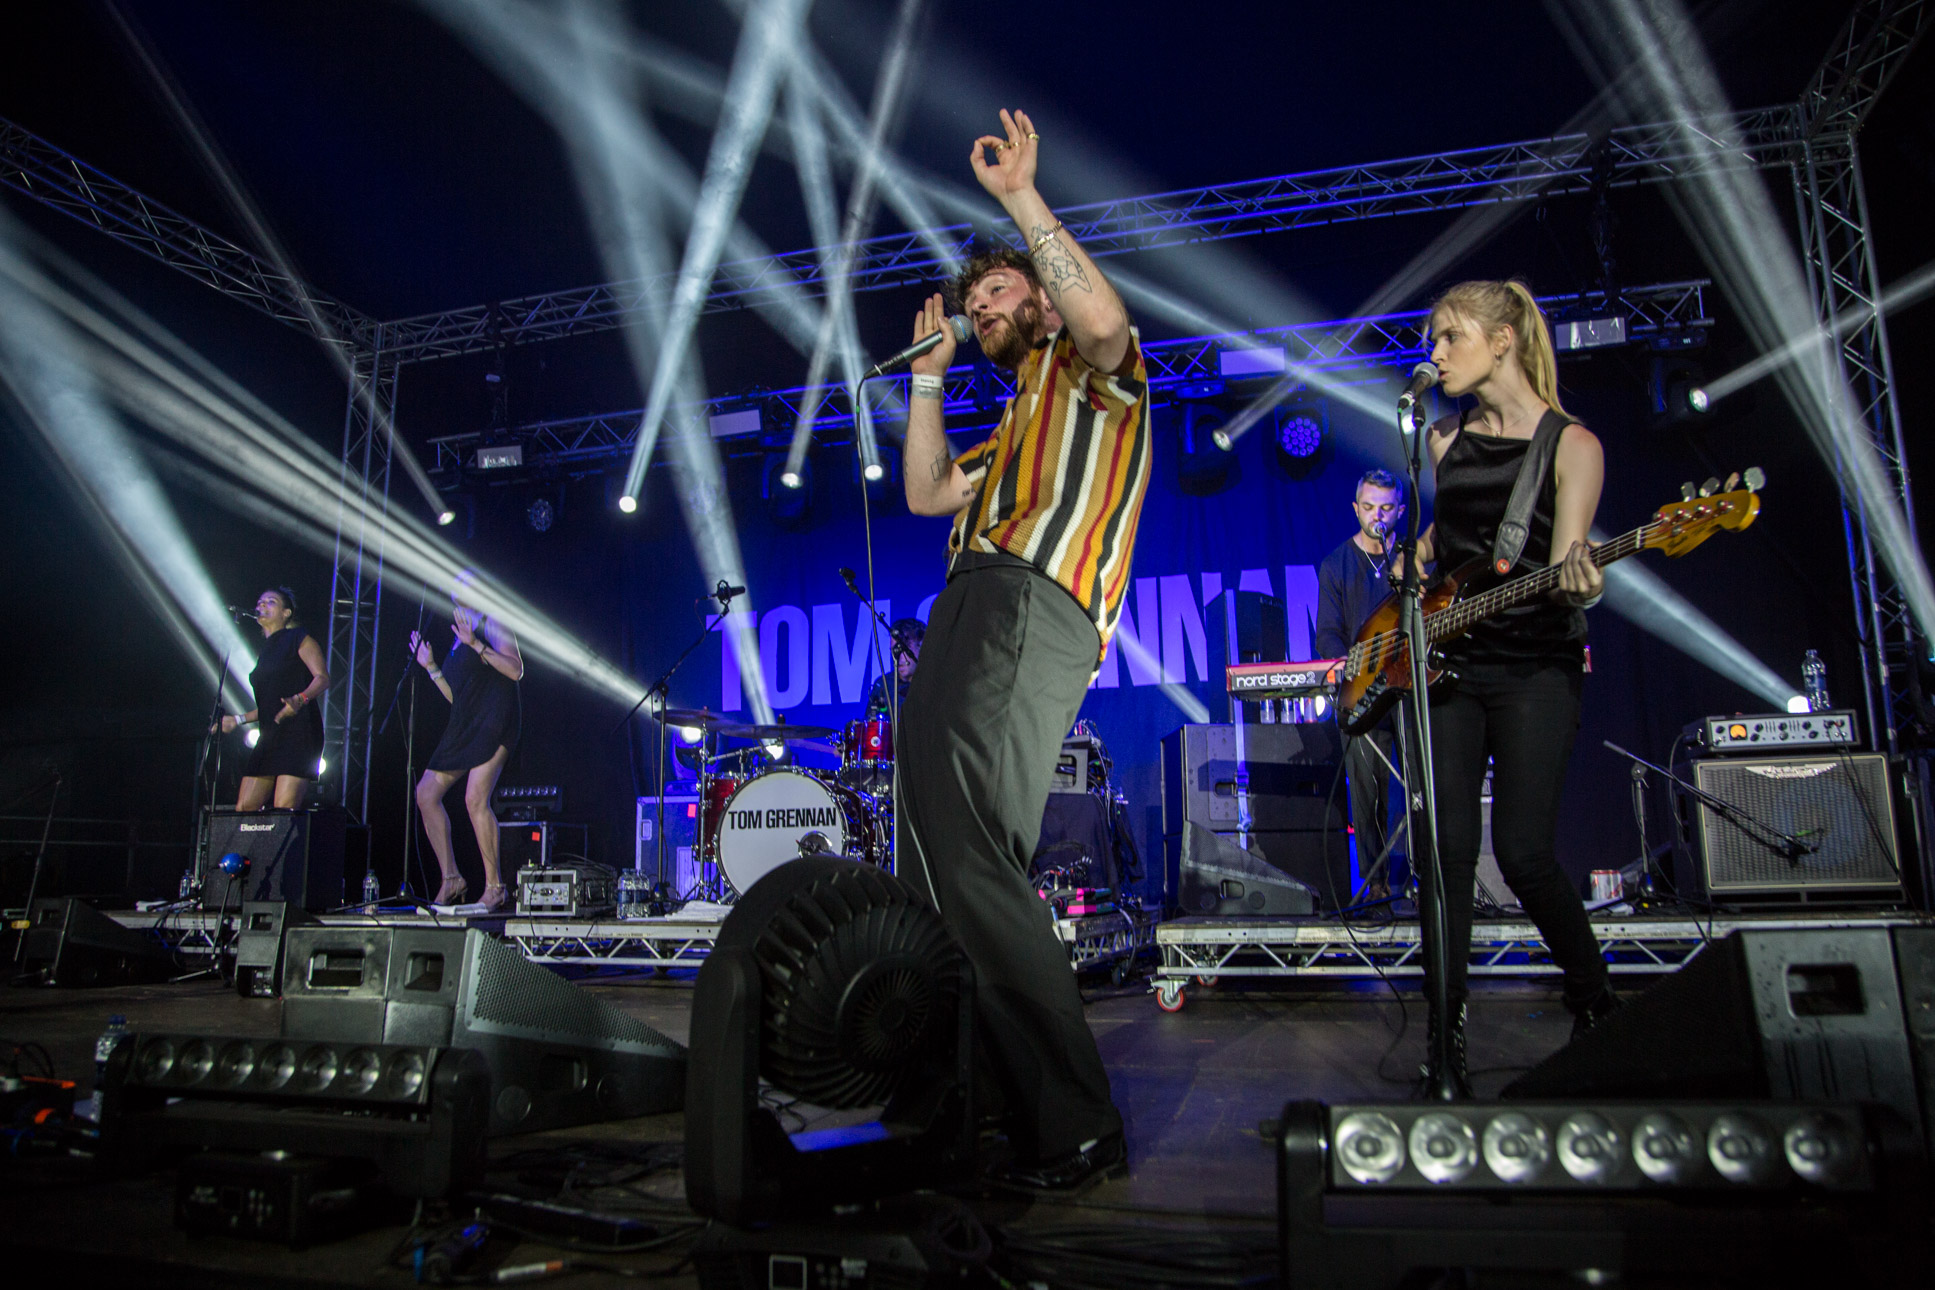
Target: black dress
{"x":292,"y":747}
{"x":483,"y":710}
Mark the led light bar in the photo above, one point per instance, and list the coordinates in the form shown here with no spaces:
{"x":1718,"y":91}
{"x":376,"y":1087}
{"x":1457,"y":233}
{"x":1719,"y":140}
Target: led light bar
{"x":501,"y":457}
{"x":1588,"y":333}
{"x":1518,"y":1146}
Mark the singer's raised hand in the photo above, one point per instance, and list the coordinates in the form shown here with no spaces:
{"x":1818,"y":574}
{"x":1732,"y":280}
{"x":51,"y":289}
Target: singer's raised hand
{"x":420,"y":650}
{"x":933,"y":318}
{"x":1013,"y":170}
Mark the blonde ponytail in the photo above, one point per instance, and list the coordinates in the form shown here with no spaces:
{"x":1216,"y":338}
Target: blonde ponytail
{"x":1493,"y":305}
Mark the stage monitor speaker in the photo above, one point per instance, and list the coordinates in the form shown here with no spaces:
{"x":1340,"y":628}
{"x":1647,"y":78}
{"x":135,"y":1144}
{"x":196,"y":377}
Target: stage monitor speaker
{"x":1244,"y":627}
{"x":1814,"y":1014}
{"x":1839,"y":804}
{"x":259,"y":940}
{"x":294,"y":856}
{"x":1290,"y":770}
{"x":1215,"y":876}
{"x":70,"y":943}
{"x":558,"y":1055}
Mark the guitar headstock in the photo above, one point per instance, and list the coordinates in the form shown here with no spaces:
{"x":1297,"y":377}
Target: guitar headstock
{"x":1680,"y":526}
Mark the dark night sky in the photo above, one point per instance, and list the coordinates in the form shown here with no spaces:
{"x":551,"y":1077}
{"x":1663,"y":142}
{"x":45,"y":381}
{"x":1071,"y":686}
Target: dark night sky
{"x":404,"y":176}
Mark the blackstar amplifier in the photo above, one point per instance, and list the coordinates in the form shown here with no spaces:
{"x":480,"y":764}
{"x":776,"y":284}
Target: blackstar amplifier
{"x":569,"y":891}
{"x":295,"y":856}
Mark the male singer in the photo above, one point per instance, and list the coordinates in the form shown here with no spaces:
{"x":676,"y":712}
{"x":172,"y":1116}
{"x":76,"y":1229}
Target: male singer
{"x":1044,"y":522}
{"x":1351,"y":582}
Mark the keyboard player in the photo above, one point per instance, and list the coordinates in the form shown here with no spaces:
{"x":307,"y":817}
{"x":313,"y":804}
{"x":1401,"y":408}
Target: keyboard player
{"x":1351,"y":582}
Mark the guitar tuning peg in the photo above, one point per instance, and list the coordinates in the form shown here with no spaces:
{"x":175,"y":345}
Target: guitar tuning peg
{"x":1686,"y":492}
{"x":1709,"y":488}
{"x":1733,"y":482}
{"x":1756,"y":479}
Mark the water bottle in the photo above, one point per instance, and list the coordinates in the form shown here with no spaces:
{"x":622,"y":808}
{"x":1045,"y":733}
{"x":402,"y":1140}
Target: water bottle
{"x":117,"y":1030}
{"x":371,"y":892}
{"x":1814,"y":681}
{"x":186,"y":889}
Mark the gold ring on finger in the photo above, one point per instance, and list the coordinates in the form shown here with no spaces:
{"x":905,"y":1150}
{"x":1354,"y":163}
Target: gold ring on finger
{"x":1033,"y":135}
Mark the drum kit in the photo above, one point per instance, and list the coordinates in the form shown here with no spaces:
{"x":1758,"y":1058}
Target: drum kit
{"x":757,"y":813}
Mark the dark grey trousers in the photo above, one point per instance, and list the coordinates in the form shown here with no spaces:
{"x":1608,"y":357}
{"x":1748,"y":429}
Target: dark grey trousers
{"x":1002,"y":674}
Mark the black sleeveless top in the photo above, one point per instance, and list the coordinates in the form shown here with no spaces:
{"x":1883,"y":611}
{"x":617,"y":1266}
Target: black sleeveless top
{"x":1475,"y":482}
{"x":483,"y":710}
{"x":292,"y":747}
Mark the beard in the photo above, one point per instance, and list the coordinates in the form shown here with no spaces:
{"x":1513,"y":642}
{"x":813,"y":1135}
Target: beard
{"x":1016,"y":336}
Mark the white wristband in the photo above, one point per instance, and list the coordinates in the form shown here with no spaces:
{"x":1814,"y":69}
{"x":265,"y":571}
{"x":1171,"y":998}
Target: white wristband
{"x":924,"y":384}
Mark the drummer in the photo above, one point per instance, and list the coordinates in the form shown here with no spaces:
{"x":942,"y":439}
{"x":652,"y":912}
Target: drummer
{"x":907,"y":634}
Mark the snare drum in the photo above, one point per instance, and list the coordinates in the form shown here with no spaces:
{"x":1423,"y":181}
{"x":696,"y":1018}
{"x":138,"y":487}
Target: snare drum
{"x":765,"y":823}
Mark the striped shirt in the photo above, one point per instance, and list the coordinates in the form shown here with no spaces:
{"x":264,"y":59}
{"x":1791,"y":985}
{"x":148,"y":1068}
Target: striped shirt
{"x":1061,"y":482}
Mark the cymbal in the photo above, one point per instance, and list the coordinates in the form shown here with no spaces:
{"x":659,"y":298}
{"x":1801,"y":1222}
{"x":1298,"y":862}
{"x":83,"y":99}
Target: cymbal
{"x":699,"y":717}
{"x":779,"y":731}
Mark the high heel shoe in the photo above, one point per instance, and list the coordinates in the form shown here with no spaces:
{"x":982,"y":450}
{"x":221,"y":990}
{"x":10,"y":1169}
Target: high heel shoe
{"x":451,"y":890}
{"x":496,"y":897}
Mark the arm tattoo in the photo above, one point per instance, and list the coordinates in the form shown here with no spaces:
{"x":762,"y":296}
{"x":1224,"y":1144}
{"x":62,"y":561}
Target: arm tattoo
{"x":1060,"y":270}
{"x":942,"y":464}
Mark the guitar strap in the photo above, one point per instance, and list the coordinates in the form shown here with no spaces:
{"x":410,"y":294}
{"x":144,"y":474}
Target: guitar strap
{"x":1512,"y":530}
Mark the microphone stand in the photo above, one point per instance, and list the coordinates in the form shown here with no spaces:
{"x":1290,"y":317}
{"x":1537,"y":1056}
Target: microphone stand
{"x":1422,"y":800}
{"x":1790,"y":845}
{"x":213,"y":729}
{"x":723,"y":593}
{"x":409,"y":677}
{"x":40,"y":858}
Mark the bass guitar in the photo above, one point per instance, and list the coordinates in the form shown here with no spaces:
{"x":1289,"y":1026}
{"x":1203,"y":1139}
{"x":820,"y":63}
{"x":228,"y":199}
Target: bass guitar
{"x":1377,"y":671}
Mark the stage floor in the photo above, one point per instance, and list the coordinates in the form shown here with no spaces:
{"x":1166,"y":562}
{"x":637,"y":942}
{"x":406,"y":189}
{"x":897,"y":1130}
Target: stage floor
{"x":1194,"y":1088}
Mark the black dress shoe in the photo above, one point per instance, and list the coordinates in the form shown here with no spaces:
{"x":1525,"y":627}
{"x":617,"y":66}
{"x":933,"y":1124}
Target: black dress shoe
{"x":1587,"y":1018}
{"x":1070,"y":1173}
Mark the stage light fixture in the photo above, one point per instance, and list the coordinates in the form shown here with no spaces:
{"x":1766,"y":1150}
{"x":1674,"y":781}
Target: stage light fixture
{"x":789,"y":505}
{"x":1204,"y":465}
{"x":874,"y":471}
{"x":627,"y":503}
{"x":322,"y":767}
{"x":691,"y":734}
{"x":541,"y":515}
{"x":1588,"y":333}
{"x":1799,"y":703}
{"x":446,"y":517}
{"x":253,"y":737}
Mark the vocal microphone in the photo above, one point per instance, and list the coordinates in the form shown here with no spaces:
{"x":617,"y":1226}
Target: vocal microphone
{"x":1423,"y":377}
{"x":241,"y":615}
{"x":724,"y":592}
{"x":962,"y":330}
{"x":852,"y":580}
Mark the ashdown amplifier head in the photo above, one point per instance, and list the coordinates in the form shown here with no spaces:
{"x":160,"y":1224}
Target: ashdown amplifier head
{"x":1834,"y":729}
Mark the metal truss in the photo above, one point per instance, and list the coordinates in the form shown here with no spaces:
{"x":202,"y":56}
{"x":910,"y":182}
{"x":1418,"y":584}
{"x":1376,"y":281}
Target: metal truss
{"x":1510,"y":172}
{"x":1865,"y":56}
{"x":1112,"y":941}
{"x":1832,"y":211}
{"x":35,"y":168}
{"x":659,"y":943}
{"x":1204,"y":949}
{"x":356,"y":587}
{"x":1344,"y":349}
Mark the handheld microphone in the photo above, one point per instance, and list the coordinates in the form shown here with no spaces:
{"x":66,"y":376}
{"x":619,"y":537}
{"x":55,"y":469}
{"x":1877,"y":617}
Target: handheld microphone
{"x":1423,"y":377}
{"x":725,"y":591}
{"x":962,"y":330}
{"x":241,"y":615}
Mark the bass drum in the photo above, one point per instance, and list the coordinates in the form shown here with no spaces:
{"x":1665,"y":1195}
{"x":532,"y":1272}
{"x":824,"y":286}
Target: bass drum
{"x":777,"y":815}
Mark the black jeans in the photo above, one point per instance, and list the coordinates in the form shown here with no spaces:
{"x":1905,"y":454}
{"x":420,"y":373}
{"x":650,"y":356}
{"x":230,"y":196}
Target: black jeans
{"x":1003,"y":671}
{"x":1369,"y":780}
{"x":1523,"y":716}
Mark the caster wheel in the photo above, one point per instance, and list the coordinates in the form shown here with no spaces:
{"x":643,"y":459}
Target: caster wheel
{"x":1208,"y":982}
{"x":1169,"y":996}
{"x":1118,"y":973}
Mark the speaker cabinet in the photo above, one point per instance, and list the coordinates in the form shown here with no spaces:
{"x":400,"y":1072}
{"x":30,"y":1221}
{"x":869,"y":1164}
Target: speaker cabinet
{"x":294,"y":856}
{"x":1840,"y":806}
{"x":1817,"y":1014}
{"x":1281,"y":776}
{"x":558,"y":1055}
{"x":259,"y":940}
{"x":73,"y":944}
{"x":1215,"y":876}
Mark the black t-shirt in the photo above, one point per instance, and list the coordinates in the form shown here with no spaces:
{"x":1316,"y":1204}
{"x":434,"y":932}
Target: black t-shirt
{"x":1350,"y":584}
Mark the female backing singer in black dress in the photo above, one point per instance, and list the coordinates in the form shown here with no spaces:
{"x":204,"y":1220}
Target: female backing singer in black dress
{"x":1515,"y":699}
{"x":288,"y":679}
{"x":479,"y":678}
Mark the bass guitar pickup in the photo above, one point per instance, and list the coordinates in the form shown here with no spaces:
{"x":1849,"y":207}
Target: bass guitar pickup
{"x":1285,"y":680}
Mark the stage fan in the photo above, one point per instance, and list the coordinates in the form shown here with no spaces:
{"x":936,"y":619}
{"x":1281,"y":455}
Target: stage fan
{"x":831,"y":982}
